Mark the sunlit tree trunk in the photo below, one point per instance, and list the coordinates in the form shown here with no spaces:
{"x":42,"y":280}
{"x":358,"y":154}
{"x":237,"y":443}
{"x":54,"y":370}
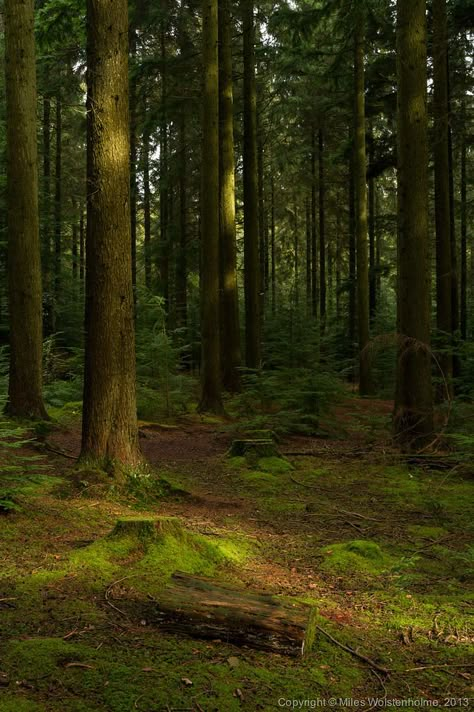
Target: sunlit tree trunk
{"x":413,"y":417}
{"x":229,"y":302}
{"x":251,"y":236}
{"x":24,"y":258}
{"x":360,"y":178}
{"x":109,"y":430}
{"x":211,"y":400}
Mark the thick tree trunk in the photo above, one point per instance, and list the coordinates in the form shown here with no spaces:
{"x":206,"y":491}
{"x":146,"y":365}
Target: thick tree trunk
{"x":360,"y":178}
{"x":251,"y":237}
{"x":109,"y":429}
{"x":229,"y":296}
{"x":211,"y":400}
{"x":444,"y":257}
{"x":413,"y":418}
{"x":24,"y":252}
{"x":322,"y":231}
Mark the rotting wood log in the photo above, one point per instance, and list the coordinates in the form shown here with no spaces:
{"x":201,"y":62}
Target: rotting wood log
{"x":201,"y":608}
{"x":254,"y":448}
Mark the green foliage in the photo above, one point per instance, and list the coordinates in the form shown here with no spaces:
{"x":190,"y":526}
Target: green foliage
{"x":17,"y":471}
{"x":286,"y":399}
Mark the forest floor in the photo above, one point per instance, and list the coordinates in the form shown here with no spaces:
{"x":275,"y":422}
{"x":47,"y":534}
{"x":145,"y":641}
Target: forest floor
{"x":383,"y":549}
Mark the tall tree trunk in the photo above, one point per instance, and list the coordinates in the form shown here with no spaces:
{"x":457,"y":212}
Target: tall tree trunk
{"x":454,"y":256}
{"x":164,"y":177}
{"x":338,"y":263}
{"x":463,"y":223}
{"x":133,"y":161}
{"x":372,"y":238}
{"x":413,"y":418}
{"x":314,"y":246}
{"x":47,"y":251}
{"x":181,"y":260}
{"x":352,"y":257}
{"x":444,"y":256}
{"x":211,"y":400}
{"x":229,"y":302}
{"x":308,"y":254}
{"x":24,"y":251}
{"x":261,"y":216}
{"x":272,"y":244}
{"x":82,"y":246}
{"x":109,"y":427}
{"x":146,"y":207}
{"x":251,"y":237}
{"x":75,"y":250}
{"x":360,"y":177}
{"x":322,"y":231}
{"x":57,"y":210}
{"x":296,"y":244}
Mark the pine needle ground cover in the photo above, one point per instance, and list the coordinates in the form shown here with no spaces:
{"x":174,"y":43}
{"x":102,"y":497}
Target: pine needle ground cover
{"x":381,"y":547}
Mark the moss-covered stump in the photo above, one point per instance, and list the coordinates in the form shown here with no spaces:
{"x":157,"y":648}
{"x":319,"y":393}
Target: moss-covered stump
{"x":147,"y":528}
{"x":200,"y":608}
{"x":254,"y":449}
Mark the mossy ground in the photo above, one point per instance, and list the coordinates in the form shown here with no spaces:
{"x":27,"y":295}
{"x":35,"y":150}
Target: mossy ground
{"x":383,"y":551}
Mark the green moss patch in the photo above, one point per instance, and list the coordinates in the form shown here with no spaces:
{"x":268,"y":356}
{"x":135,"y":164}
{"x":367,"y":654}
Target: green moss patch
{"x":355,"y":556}
{"x":275,"y":465}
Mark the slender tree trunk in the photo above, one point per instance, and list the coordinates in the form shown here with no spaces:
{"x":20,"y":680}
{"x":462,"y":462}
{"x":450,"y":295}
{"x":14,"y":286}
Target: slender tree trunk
{"x":47,"y":251}
{"x":338,"y":263}
{"x":322,"y":232}
{"x":57,"y":211}
{"x":229,"y":301}
{"x":308,"y":254}
{"x":133,"y":162}
{"x":82,"y":246}
{"x":24,"y":251}
{"x":146,"y":208}
{"x":314,"y":245}
{"x":211,"y":400}
{"x":454,"y":256}
{"x":109,"y":428}
{"x":181,"y":260}
{"x":164,"y":177}
{"x":261,"y":216}
{"x":296,"y":247}
{"x":413,"y":418}
{"x":360,"y":176}
{"x":442,"y":198}
{"x":272,"y":244}
{"x":75,"y":251}
{"x":463,"y":224}
{"x":352,"y":257}
{"x":372,"y":238}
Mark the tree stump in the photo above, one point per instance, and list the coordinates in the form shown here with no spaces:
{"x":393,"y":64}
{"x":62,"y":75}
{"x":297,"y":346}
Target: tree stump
{"x":254,"y":449}
{"x":201,"y":608}
{"x":147,"y":528}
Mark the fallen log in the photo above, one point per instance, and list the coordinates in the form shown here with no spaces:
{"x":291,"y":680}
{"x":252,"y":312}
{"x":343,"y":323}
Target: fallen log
{"x":200,"y":608}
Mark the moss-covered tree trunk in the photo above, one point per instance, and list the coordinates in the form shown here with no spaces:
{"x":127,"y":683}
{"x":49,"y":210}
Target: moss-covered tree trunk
{"x":360,"y":182}
{"x":413,"y":417}
{"x":229,"y":296}
{"x":109,"y":432}
{"x":444,"y":257}
{"x":251,"y":236}
{"x":24,"y":260}
{"x":211,"y":400}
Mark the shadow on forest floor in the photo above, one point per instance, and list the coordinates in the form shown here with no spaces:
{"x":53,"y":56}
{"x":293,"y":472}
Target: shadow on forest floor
{"x":383,"y":549}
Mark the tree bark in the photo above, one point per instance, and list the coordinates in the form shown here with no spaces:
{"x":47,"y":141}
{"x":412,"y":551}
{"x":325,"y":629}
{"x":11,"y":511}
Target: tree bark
{"x":109,"y":429}
{"x":57,"y":211}
{"x":24,"y":251}
{"x":413,"y":417}
{"x":360,"y":177}
{"x":444,"y":257}
{"x":463,"y":216}
{"x":272,"y":244}
{"x":163,"y":251}
{"x":314,"y":246}
{"x":211,"y":399}
{"x":133,"y":162}
{"x":146,"y":208}
{"x":352,"y":257}
{"x":229,"y":296}
{"x":47,"y":251}
{"x":308,"y":254}
{"x":322,"y":232}
{"x":251,"y":237}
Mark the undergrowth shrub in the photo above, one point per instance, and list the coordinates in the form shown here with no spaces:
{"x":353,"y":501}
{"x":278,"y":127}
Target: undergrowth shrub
{"x":16,"y":469}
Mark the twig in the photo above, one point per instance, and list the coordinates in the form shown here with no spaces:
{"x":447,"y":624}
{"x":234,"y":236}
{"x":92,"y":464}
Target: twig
{"x":3,"y":600}
{"x":367,"y":660}
{"x":360,"y":516}
{"x":110,"y":589}
{"x":58,"y":452}
{"x":445,"y":665}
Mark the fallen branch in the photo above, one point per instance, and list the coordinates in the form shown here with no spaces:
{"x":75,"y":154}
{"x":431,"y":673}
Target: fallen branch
{"x":48,"y":447}
{"x":371,"y":663}
{"x":435,"y":667}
